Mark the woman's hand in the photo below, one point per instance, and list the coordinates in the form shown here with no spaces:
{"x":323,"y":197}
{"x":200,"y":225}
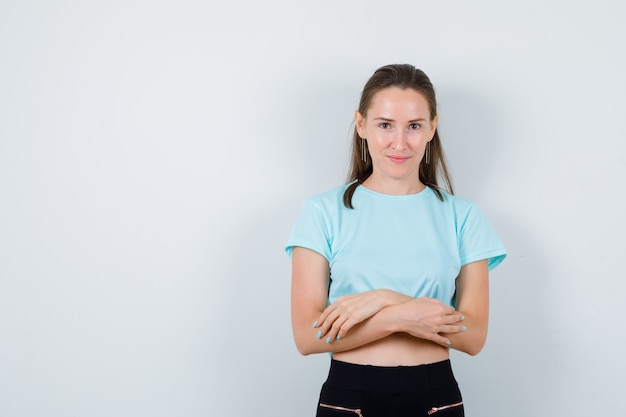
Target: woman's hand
{"x":426,"y":318}
{"x":347,"y":311}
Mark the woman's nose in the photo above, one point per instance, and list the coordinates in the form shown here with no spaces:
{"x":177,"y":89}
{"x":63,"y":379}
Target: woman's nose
{"x":399,"y":141}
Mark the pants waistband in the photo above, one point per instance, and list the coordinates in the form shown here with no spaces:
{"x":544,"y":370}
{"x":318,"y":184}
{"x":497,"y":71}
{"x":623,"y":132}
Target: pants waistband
{"x":390,"y":378}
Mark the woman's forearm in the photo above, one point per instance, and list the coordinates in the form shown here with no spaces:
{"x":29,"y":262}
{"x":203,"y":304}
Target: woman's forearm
{"x":310,"y":340}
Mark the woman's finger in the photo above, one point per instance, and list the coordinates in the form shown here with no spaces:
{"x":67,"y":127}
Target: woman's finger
{"x":454,"y":318}
{"x":327,"y":311}
{"x":453,"y":329}
{"x":335,"y":329}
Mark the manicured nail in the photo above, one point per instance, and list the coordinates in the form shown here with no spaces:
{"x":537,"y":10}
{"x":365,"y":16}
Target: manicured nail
{"x":463,"y":328}
{"x":338,"y":337}
{"x":462,"y":318}
{"x":328,"y":339}
{"x":319,"y":334}
{"x":447,"y":342}
{"x":315,"y":324}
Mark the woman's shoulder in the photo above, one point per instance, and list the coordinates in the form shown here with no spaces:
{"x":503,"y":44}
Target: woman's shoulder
{"x":455,"y":202}
{"x":453,"y":198}
{"x":326,"y":205}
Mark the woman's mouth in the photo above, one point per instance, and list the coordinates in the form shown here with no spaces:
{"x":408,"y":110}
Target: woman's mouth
{"x":397,"y":159}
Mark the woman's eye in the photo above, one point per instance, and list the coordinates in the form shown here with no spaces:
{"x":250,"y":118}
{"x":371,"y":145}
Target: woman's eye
{"x":385,"y":125}
{"x":414,"y":126}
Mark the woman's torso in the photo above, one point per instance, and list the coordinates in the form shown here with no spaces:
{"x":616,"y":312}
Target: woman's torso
{"x":407,"y":244}
{"x":399,"y":349}
{"x":413,"y":244}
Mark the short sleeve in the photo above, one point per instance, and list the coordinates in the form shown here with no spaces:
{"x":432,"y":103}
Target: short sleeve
{"x":478,"y":240}
{"x":311,"y":230}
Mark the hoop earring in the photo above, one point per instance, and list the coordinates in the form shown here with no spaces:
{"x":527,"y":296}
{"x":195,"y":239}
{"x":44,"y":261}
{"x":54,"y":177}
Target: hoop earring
{"x":428,"y":153}
{"x":363,"y":150}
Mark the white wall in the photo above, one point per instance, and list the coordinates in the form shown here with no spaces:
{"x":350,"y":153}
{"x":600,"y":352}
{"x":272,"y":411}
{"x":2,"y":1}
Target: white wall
{"x":154,"y":154}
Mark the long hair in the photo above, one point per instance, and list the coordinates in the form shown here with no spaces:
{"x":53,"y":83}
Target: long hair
{"x":401,"y":76}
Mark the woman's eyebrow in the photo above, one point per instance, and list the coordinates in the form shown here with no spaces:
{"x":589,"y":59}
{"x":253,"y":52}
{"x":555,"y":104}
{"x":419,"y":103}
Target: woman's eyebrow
{"x":385,"y":119}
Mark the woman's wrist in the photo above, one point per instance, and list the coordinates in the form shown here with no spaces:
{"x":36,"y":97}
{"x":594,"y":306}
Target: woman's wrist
{"x":390,"y":319}
{"x":391,"y":298}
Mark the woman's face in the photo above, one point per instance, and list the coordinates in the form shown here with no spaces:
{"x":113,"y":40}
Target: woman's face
{"x":397,"y":128}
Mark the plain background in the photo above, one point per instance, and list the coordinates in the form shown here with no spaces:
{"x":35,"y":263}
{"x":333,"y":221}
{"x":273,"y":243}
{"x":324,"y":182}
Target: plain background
{"x":154,"y":155}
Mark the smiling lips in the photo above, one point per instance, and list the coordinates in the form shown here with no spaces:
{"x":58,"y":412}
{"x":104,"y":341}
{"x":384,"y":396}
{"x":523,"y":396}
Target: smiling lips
{"x":397,"y":158}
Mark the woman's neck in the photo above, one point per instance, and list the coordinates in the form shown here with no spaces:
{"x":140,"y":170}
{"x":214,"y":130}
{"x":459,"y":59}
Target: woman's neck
{"x":393,"y":187}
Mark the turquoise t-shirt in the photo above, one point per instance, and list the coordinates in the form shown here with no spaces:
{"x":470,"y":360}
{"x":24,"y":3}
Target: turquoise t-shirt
{"x":413,"y":244}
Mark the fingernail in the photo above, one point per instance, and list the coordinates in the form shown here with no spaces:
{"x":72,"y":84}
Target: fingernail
{"x":447,"y":342}
{"x":315,"y":324}
{"x":338,"y":337}
{"x":319,"y":334}
{"x":463,"y":328}
{"x":462,"y":318}
{"x":328,"y":339}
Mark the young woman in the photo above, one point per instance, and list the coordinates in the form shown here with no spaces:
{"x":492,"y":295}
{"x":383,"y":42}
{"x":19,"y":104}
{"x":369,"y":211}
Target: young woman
{"x":391,"y":270}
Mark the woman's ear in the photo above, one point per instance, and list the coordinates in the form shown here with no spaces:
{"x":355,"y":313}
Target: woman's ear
{"x":359,"y":121}
{"x":433,"y":126}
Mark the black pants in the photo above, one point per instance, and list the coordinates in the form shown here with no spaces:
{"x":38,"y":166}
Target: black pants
{"x":380,"y":391}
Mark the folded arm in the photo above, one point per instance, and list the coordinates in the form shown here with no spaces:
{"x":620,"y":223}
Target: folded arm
{"x":472,"y":295}
{"x":358,"y":319}
{"x":309,"y":297}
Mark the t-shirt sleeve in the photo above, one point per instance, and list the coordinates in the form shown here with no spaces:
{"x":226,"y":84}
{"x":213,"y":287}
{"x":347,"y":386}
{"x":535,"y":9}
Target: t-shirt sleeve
{"x":311,"y":230}
{"x":478,"y":240}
